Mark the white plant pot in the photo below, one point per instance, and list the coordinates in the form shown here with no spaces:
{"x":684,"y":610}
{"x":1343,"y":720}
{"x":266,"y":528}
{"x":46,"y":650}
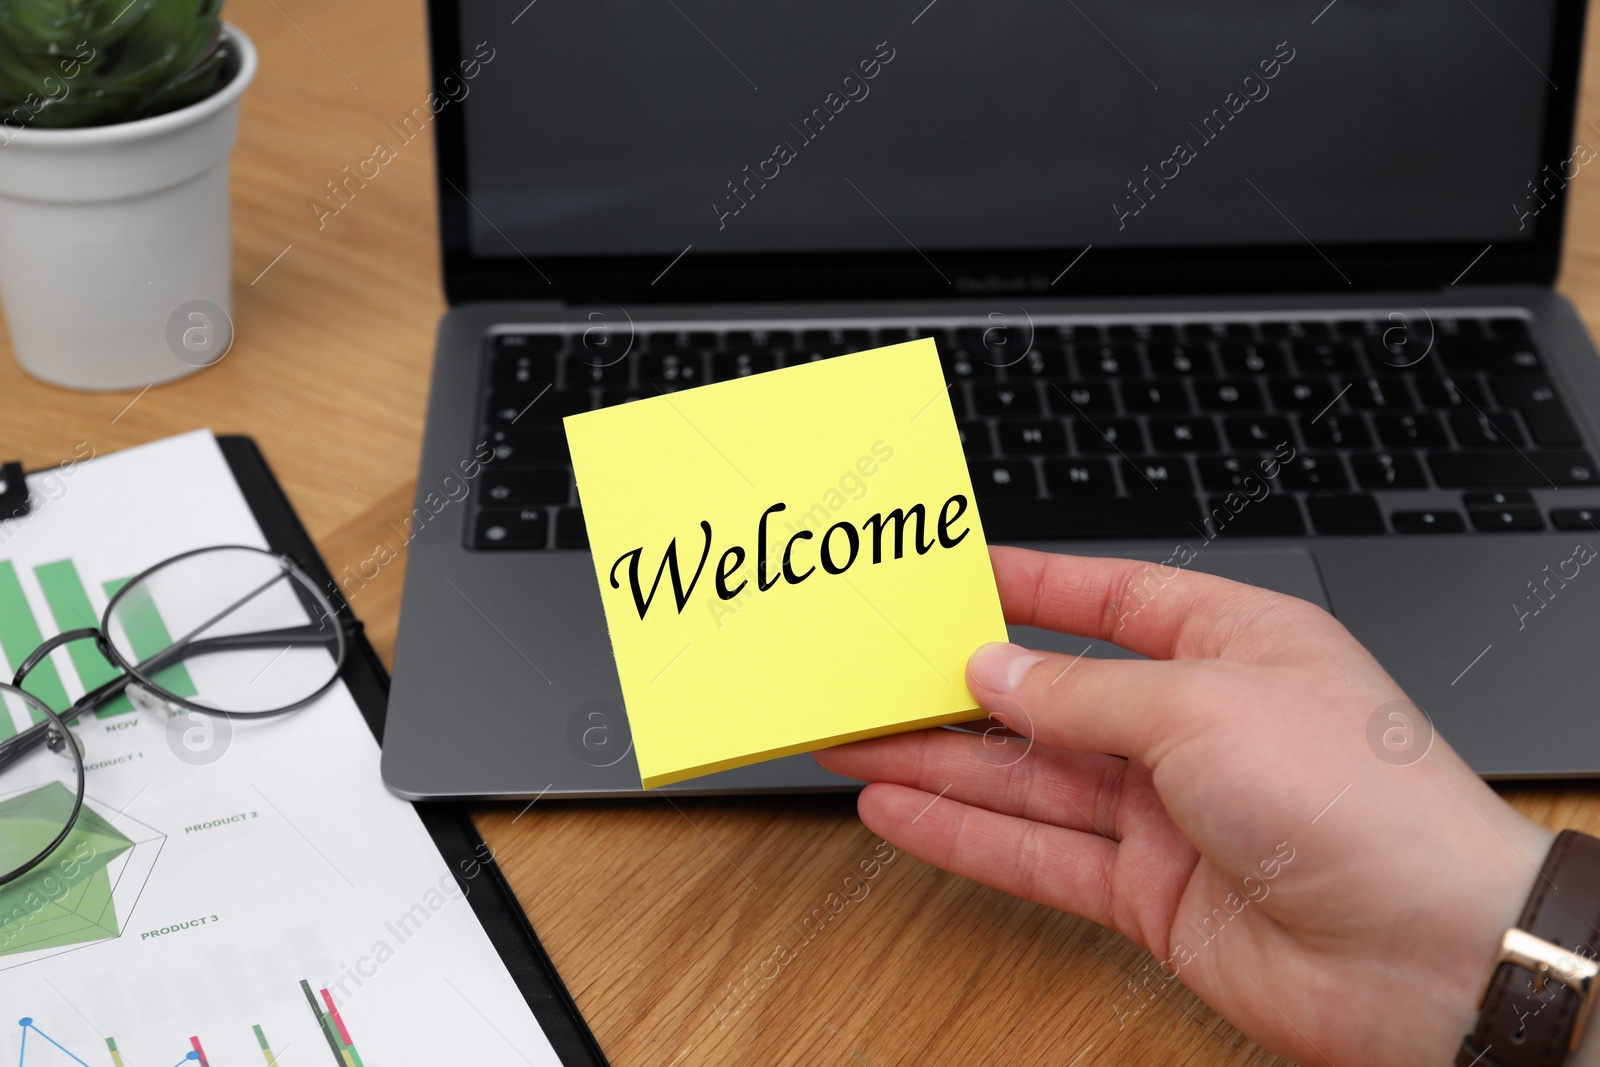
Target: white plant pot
{"x":114,"y":242}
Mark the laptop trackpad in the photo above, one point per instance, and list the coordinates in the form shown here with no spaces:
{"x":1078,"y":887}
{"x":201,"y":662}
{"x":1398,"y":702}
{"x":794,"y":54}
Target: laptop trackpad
{"x":1283,"y":570}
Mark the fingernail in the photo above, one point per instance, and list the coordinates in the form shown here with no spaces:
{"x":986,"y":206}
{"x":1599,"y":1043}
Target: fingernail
{"x":999,"y":667}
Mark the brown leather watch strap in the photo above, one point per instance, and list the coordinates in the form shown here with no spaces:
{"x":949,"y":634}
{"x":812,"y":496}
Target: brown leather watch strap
{"x":1539,"y":993}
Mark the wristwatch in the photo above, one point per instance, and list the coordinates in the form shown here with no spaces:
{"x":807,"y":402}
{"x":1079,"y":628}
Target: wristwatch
{"x":1542,"y":983}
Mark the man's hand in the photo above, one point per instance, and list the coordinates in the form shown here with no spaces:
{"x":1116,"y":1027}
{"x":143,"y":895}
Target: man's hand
{"x":1221,"y":805}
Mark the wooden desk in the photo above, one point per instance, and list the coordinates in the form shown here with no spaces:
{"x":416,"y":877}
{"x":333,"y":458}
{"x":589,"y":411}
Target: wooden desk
{"x":652,"y":912}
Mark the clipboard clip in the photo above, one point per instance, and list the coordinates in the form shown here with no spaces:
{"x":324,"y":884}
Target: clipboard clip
{"x":13,"y":491}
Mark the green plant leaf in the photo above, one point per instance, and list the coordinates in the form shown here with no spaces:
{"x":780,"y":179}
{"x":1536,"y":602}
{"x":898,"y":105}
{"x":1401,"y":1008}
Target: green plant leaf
{"x":69,"y":63}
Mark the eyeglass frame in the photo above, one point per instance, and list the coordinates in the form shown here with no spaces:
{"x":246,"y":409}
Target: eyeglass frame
{"x":57,"y":723}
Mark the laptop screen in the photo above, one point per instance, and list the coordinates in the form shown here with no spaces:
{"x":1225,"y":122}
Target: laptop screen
{"x":614,"y":128}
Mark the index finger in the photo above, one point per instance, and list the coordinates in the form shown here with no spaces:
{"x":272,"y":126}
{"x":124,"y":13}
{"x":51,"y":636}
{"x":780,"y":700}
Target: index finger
{"x":1156,"y":610}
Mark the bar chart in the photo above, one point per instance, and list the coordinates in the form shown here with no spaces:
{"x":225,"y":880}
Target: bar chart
{"x":327,"y":1016}
{"x":67,"y":598}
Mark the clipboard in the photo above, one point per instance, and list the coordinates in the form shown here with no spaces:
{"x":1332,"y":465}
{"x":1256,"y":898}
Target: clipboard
{"x":450,"y":825}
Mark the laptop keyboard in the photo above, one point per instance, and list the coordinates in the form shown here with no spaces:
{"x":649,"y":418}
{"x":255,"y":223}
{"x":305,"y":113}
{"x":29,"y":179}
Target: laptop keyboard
{"x":1123,"y":430}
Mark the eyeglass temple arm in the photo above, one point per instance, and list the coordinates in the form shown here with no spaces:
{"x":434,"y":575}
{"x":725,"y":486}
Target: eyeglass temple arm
{"x":293,"y":636}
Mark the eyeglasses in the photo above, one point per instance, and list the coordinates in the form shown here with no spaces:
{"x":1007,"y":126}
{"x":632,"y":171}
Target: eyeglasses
{"x":257,"y":637}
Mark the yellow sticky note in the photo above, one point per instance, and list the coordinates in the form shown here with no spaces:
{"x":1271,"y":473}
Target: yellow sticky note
{"x":788,"y":561}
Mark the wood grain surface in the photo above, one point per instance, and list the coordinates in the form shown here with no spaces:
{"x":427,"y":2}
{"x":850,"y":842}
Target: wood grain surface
{"x":695,"y":932}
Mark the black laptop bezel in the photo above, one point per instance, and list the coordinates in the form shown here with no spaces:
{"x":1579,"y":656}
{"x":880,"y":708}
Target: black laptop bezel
{"x":736,"y":277}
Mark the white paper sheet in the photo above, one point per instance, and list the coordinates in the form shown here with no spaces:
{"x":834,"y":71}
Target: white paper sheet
{"x":284,"y":861}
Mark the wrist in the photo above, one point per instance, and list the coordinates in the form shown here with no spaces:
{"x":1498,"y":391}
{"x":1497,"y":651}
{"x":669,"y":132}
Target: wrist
{"x":1588,"y":1052}
{"x":1500,"y":887}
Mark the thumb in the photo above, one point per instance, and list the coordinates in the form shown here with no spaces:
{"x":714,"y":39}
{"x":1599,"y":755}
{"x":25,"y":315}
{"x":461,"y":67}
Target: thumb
{"x":1072,"y":702}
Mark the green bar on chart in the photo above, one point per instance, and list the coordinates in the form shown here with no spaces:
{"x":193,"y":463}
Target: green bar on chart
{"x":19,"y":636}
{"x":266,"y":1049}
{"x":64,"y":592}
{"x":148,"y":634}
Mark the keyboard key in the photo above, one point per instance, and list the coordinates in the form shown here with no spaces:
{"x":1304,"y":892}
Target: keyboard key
{"x":1005,"y":398}
{"x":1081,"y":398}
{"x":1575,"y":518}
{"x":1507,"y":520}
{"x":1353,"y":513}
{"x":1314,"y":472}
{"x":498,"y":528}
{"x":521,"y":344}
{"x":1079,"y":477}
{"x":612,"y":395}
{"x":1312,"y":328}
{"x":852,"y":339}
{"x":1452,"y":327}
{"x":805,"y":354}
{"x":1257,"y":431}
{"x":549,"y":405}
{"x":1271,"y":516}
{"x":1470,"y":470}
{"x":751,"y":340}
{"x":667,"y":369}
{"x":975,"y":438}
{"x":1356,"y":328}
{"x":1196,"y":434}
{"x":1080,"y":333}
{"x":523,"y":370}
{"x":893,"y":335}
{"x":1142,"y":331}
{"x":1388,"y":470}
{"x":1450,"y":393}
{"x":958,"y":366}
{"x":539,"y":444}
{"x":1028,"y":436}
{"x":1515,"y":329}
{"x":1485,"y":429}
{"x":1312,"y":395}
{"x":1410,"y":431}
{"x":1156,"y":475}
{"x":1154,"y":396}
{"x":1511,"y":498}
{"x":1040,"y":363}
{"x":969,"y":338}
{"x":993,"y":478}
{"x":1224,"y":473}
{"x":571,"y":532}
{"x":1107,"y":361}
{"x":1228,"y":396}
{"x":1223,"y":331}
{"x":1384,"y":392}
{"x":1400,"y":346}
{"x":1428,"y":522}
{"x":1172,"y":359}
{"x":680,"y":340}
{"x":585,"y":370}
{"x":1535,"y":396}
{"x":520,"y":487}
{"x":1265,"y":357}
{"x":1107,"y":435}
{"x":1119,"y":517}
{"x":1496,"y":356}
{"x":726,"y":365}
{"x":1335,"y":431}
{"x":1326,"y":357}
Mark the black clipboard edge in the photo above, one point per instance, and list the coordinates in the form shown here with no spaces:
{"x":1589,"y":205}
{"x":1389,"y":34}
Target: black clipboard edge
{"x":450,"y":825}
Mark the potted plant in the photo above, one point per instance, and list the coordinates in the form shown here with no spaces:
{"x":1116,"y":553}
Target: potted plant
{"x":116,"y":120}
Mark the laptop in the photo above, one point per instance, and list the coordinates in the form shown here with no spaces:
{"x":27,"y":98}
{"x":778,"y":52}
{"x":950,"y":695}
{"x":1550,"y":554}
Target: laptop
{"x":1166,"y":251}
